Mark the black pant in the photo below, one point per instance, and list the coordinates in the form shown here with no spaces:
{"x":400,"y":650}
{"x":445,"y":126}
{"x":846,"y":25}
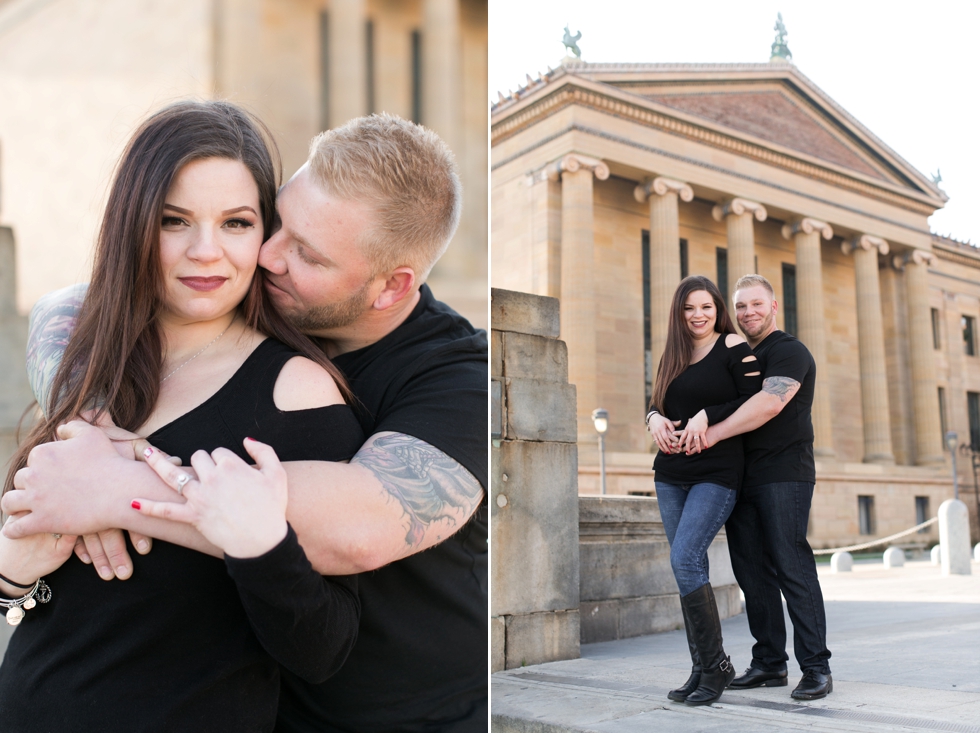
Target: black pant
{"x":770,"y":553}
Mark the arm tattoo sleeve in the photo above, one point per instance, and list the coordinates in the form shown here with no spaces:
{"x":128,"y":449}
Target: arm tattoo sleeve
{"x":51,"y":324}
{"x":780,"y":386}
{"x":429,"y":485}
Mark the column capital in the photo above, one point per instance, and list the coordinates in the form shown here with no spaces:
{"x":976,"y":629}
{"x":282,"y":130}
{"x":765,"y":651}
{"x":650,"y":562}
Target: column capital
{"x":661,"y":186}
{"x":738,"y":207}
{"x":913,"y":256}
{"x":865,"y":242}
{"x":807,"y":226}
{"x":575,"y":162}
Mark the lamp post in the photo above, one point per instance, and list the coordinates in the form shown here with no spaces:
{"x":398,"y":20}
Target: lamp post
{"x":600,"y":418}
{"x":951,"y":439}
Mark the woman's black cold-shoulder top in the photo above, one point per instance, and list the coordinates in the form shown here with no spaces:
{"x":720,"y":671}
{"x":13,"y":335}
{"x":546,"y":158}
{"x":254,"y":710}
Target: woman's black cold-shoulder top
{"x":191,"y":642}
{"x":718,"y":385}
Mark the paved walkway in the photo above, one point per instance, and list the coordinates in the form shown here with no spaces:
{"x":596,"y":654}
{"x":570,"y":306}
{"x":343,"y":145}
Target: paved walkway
{"x":906,"y":657}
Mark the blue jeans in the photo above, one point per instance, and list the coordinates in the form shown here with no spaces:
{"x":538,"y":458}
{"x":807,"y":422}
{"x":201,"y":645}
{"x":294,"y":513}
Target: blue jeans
{"x":770,"y":554}
{"x":692,"y":515}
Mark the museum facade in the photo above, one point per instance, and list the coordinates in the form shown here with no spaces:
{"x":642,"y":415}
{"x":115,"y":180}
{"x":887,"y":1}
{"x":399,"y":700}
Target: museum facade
{"x":611,"y":182}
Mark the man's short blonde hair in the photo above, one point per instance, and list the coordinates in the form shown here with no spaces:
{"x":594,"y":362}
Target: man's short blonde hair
{"x":409,"y":178}
{"x":751,"y":281}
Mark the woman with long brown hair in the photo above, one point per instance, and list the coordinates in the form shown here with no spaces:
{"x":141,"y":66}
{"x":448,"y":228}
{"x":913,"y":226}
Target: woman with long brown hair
{"x":176,"y":342}
{"x":706,"y":372}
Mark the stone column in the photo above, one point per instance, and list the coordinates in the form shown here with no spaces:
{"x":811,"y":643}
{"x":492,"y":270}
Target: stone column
{"x":347,"y":61}
{"x":441,"y":53}
{"x":806,"y":233}
{"x":928,"y":437}
{"x":738,"y":214}
{"x":665,"y":253}
{"x":577,"y":280}
{"x":871,"y":348}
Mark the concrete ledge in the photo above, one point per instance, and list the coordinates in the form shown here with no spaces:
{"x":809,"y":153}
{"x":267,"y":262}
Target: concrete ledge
{"x":534,"y":638}
{"x":537,"y":315}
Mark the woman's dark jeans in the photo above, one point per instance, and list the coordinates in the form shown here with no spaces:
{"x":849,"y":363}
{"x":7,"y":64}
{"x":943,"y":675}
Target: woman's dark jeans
{"x":692,"y":516}
{"x":770,"y":553}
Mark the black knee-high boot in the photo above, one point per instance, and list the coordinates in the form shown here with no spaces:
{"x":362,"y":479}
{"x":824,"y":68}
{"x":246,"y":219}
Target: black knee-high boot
{"x":681,"y":693}
{"x":705,"y":628}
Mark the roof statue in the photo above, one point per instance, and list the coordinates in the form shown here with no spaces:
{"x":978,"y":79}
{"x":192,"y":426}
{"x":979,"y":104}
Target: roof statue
{"x":570,"y":42}
{"x":937,"y":177}
{"x":780,"y":51}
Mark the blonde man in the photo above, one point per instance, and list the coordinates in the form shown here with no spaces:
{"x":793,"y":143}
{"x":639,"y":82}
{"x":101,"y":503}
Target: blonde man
{"x":363,"y":222}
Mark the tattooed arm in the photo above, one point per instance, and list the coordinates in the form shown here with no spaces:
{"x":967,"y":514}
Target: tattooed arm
{"x":51,"y":324}
{"x":759,"y":409}
{"x":399,"y":495}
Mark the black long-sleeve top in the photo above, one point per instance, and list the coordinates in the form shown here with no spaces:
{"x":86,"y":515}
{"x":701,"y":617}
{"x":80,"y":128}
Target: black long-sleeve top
{"x":719,"y":385}
{"x":191,"y":642}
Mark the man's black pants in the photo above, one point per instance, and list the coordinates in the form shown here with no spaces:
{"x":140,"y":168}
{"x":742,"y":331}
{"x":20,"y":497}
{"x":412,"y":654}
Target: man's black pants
{"x":770,"y":553}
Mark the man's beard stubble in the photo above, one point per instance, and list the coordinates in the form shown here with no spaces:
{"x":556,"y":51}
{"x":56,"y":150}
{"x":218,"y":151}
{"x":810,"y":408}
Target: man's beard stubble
{"x":332,"y":315}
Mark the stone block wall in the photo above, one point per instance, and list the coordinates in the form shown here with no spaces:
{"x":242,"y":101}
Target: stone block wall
{"x":534,"y":541}
{"x":627,"y":587}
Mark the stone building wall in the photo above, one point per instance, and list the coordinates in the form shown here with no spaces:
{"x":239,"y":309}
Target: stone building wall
{"x":15,"y":393}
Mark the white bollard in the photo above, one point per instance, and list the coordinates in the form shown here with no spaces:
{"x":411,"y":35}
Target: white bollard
{"x":954,"y":537}
{"x":841,"y":562}
{"x":894,"y":557}
{"x":976,"y":552}
{"x":936,"y":555}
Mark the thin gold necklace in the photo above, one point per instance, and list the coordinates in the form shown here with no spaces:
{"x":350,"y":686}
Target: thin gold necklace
{"x":212,"y":343}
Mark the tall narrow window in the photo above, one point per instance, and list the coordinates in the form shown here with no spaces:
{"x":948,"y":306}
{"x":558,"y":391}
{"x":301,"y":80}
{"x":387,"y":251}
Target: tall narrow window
{"x":369,"y":64}
{"x":866,"y":514}
{"x":721,"y":264}
{"x":685,"y":270}
{"x":647,"y":345}
{"x":922,"y":512}
{"x":969,"y":335}
{"x":934,"y":312}
{"x":789,"y":298}
{"x":973,"y":409}
{"x":943,"y":422}
{"x":324,"y":70}
{"x":417,"y":77}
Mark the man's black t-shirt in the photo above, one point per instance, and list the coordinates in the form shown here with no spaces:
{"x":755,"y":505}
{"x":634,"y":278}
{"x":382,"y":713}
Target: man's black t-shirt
{"x":420,"y":660}
{"x":782,"y":449}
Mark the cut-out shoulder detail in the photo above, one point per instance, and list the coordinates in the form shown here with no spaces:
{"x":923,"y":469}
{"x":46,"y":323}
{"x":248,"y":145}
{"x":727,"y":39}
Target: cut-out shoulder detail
{"x":751,"y":357}
{"x":753,"y":374}
{"x":733,"y":339}
{"x":303,"y":385}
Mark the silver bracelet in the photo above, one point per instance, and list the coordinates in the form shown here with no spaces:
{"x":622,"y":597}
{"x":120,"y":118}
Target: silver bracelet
{"x":650,"y":414}
{"x":40,"y":593}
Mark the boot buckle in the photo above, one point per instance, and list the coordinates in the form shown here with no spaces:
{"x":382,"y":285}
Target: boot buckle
{"x":725,"y":666}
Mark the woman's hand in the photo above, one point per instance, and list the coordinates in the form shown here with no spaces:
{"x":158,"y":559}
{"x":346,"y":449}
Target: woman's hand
{"x":237,"y":507}
{"x":29,"y":558}
{"x":662,"y":430}
{"x":692,"y":437}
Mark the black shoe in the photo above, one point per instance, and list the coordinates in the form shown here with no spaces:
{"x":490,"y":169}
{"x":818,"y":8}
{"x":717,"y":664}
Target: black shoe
{"x":754,"y":677}
{"x":681,"y":693}
{"x":705,"y":627}
{"x":813,"y":686}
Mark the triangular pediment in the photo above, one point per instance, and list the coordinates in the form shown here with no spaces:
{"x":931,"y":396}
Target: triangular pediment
{"x":773,"y":115}
{"x":769,"y":106}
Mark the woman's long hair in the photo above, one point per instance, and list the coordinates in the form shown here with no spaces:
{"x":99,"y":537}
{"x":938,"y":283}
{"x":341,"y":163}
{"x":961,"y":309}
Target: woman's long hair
{"x":680,"y":342}
{"x":113,"y":361}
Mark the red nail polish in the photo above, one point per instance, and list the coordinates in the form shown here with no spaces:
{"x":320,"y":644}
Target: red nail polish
{"x":135,"y":504}
{"x":252,"y":439}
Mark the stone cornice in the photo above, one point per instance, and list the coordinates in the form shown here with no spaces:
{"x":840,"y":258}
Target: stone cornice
{"x":738,"y":207}
{"x":944,"y":252}
{"x":807,"y":226}
{"x":661,"y":186}
{"x":867,"y":242}
{"x":573,"y":91}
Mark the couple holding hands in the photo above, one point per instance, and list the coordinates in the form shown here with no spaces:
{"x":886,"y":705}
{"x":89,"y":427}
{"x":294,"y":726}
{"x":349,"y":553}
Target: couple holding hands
{"x":731,"y":419}
{"x":340,"y":583}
